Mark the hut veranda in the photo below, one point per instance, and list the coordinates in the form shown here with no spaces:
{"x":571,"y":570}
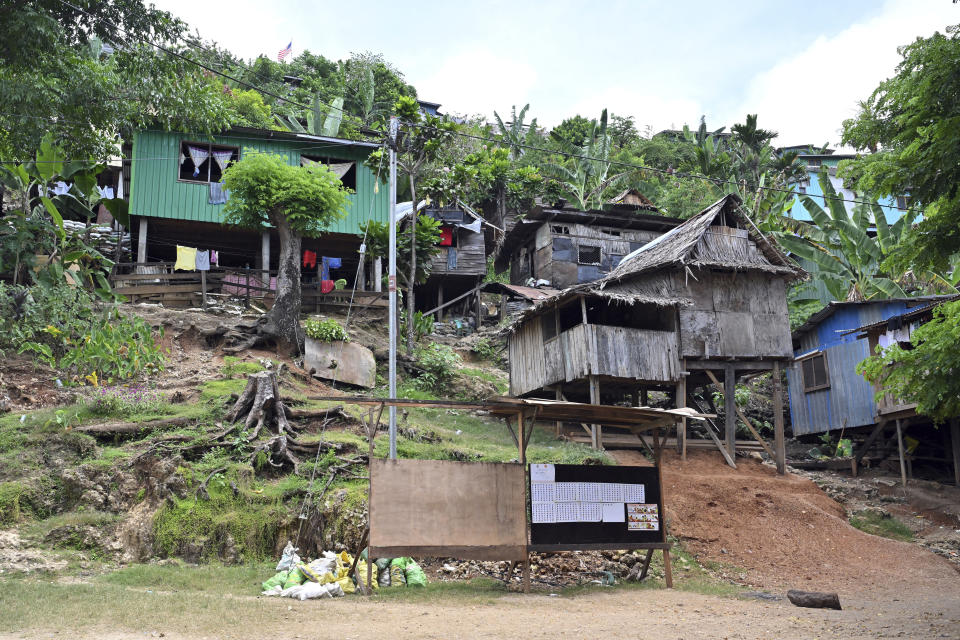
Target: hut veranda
{"x":703,"y":303}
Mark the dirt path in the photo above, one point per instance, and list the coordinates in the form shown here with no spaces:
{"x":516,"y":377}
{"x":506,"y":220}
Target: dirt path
{"x":648,"y":614}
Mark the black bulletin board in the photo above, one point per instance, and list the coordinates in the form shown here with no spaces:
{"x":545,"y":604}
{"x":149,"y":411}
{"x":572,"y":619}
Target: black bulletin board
{"x":598,"y":535}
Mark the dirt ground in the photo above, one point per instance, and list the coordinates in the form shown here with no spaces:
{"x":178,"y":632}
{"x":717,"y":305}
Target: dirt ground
{"x":621,"y":613}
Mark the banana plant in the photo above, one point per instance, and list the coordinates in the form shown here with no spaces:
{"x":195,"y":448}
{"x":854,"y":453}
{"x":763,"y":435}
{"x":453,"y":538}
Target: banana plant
{"x":848,"y":258}
{"x":513,"y":135}
{"x":322,"y":119}
{"x":585,"y":178}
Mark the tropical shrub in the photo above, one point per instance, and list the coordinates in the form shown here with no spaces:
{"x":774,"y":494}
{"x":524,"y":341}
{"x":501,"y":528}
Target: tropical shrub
{"x":126,"y":400}
{"x":437,"y":363}
{"x":325,"y":330}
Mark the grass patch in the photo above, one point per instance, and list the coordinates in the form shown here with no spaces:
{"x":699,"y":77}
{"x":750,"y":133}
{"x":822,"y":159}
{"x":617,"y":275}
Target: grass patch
{"x":234,"y":366}
{"x":214,"y":578}
{"x":477,"y":590}
{"x":881,"y":524}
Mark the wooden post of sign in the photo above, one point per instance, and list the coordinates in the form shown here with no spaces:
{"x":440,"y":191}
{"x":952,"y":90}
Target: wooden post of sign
{"x":729,"y":409}
{"x":658,"y":458}
{"x":779,"y":446}
{"x":521,"y":432}
{"x":903,"y":466}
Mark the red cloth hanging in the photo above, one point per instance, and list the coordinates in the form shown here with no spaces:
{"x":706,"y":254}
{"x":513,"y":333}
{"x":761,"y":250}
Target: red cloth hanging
{"x":326,"y":286}
{"x":446,"y":236}
{"x":309,"y":258}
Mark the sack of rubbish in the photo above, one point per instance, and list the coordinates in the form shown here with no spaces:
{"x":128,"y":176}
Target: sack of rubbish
{"x":397,"y":577}
{"x":360,"y":576}
{"x":275,"y":590}
{"x":275,"y":581}
{"x":383,"y":572}
{"x":314,"y":590}
{"x":294,"y":578}
{"x":414,"y":575}
{"x":289,"y":559}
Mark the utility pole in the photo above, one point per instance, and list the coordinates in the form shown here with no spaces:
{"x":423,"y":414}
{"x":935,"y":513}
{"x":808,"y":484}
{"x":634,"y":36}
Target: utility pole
{"x":392,"y":283}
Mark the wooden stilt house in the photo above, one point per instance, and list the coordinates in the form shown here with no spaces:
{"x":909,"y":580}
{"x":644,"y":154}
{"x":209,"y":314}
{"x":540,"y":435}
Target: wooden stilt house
{"x":703,"y":302}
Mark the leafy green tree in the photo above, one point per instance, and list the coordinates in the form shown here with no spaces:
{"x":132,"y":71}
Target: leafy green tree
{"x":57,"y":77}
{"x":575,"y":131}
{"x":849,"y":259}
{"x":911,"y":121}
{"x":297,"y":202}
{"x":250,"y":110}
{"x":623,"y":131}
{"x":421,"y":139}
{"x":427,"y":247}
{"x":927,"y":373}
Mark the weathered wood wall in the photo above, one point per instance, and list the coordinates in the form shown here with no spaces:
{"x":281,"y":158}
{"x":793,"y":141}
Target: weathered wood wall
{"x":471,"y":256}
{"x":618,"y":352}
{"x":554,"y":254}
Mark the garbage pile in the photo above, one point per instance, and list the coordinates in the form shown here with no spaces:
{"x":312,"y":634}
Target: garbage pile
{"x":329,"y":575}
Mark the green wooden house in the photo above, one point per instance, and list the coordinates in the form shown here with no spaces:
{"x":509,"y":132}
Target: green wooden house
{"x":175,"y":196}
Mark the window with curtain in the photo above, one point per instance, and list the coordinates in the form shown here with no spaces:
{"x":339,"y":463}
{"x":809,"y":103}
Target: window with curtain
{"x":204,"y":162}
{"x":346,"y":170}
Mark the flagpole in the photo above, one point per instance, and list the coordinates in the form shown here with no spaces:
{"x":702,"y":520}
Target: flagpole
{"x":392,"y":284}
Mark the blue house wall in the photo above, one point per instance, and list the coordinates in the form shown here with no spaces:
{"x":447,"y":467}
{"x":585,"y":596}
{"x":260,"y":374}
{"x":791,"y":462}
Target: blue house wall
{"x":848,"y":401}
{"x":812,"y":189}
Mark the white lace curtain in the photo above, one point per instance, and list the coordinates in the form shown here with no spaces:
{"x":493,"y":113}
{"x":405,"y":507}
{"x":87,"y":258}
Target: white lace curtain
{"x":198,"y":155}
{"x":222,"y":158}
{"x":339,"y":169}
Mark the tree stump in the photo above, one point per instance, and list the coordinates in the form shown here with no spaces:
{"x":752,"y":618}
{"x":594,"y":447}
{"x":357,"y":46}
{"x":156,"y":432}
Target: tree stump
{"x":260,"y":402}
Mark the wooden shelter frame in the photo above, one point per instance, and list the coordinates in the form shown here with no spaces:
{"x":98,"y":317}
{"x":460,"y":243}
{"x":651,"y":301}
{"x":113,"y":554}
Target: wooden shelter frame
{"x":526,"y":411}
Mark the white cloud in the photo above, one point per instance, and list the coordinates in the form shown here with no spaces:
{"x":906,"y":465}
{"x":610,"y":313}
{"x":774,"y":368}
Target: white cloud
{"x":470,"y":82}
{"x":807,"y":96}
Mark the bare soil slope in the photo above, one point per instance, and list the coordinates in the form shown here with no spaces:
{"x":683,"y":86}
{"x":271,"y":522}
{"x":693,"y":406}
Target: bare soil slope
{"x":785,"y":532}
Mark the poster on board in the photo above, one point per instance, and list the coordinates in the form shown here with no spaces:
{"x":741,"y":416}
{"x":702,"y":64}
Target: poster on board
{"x":594,"y":505}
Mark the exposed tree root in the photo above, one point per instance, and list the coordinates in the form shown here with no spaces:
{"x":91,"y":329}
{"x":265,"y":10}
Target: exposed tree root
{"x":122,"y":428}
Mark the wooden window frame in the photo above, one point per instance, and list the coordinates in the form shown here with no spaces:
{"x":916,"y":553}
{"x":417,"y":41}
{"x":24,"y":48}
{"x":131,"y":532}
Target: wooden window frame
{"x":210,"y":147}
{"x":826,"y":370}
{"x":599,"y":249}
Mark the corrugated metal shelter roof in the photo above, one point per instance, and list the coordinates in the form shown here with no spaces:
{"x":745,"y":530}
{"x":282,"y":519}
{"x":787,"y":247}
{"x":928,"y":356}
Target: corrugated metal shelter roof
{"x":527,"y":293}
{"x":932,"y":302}
{"x":814,"y":321}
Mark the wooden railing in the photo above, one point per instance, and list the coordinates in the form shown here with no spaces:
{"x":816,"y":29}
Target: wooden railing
{"x":158,"y":282}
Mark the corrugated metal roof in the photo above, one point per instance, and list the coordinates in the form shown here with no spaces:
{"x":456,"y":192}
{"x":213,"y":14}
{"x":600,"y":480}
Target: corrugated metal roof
{"x":528,"y":293}
{"x":814,"y":320}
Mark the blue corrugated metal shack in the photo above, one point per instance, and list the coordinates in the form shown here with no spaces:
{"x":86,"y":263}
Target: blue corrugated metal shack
{"x":826,"y":392}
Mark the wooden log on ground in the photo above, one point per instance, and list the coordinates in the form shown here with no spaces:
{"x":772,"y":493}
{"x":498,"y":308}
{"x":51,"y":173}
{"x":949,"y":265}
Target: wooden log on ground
{"x":122,"y":428}
{"x":814,"y":599}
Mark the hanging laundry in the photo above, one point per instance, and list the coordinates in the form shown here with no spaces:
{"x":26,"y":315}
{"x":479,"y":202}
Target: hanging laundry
{"x":309,"y":258}
{"x":213,"y":257}
{"x":446,"y":236}
{"x":326,"y":264}
{"x":326,"y":286}
{"x":218,"y":195}
{"x":186,"y":259}
{"x":203,"y":261}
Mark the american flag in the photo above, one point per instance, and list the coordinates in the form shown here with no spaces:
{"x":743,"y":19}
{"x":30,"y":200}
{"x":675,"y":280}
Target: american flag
{"x":283,"y":53}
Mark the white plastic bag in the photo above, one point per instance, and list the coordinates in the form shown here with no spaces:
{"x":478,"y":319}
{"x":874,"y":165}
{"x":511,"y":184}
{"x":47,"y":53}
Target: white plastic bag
{"x":314,"y":590}
{"x":292,"y":592}
{"x":273,"y":591}
{"x":290,"y":559}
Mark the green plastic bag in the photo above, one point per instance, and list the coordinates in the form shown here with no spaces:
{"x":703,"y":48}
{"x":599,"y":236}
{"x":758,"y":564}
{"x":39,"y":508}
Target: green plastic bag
{"x":383,"y":572}
{"x":278,"y":579}
{"x":414,"y":575}
{"x":294,"y":578}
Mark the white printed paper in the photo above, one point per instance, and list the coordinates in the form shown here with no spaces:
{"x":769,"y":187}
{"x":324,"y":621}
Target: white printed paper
{"x":633,"y":493}
{"x":590,"y":491}
{"x":611,"y":492}
{"x":567,"y":511}
{"x":542,"y":512}
{"x":590,"y":512}
{"x":613,"y":512}
{"x":567,"y":492}
{"x":542,"y":491}
{"x":542,"y":473}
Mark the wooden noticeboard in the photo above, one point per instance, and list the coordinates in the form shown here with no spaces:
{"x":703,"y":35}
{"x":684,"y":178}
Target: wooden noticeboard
{"x":630,"y":517}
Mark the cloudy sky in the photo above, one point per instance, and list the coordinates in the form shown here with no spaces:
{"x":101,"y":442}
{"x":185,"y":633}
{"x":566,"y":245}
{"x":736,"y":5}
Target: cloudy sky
{"x":801,"y":66}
